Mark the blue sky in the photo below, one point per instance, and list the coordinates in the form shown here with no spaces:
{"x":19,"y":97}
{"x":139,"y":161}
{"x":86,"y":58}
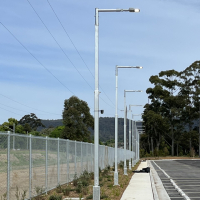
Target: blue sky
{"x":43,"y":64}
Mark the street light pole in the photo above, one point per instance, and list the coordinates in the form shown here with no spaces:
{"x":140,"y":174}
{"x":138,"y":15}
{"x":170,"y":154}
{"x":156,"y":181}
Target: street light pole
{"x":96,"y":187}
{"x":116,"y":119}
{"x":125,"y":116}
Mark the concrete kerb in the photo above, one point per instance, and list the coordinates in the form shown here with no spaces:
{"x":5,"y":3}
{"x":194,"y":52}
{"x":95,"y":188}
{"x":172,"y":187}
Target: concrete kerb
{"x":160,"y":190}
{"x":155,"y":194}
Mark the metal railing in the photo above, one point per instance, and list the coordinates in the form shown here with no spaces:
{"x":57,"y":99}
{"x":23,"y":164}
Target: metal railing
{"x":34,"y":164}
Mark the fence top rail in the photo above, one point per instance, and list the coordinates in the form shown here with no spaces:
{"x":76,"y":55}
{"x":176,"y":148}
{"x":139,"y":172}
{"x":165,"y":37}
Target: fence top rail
{"x":6,"y":133}
{"x":15,"y":134}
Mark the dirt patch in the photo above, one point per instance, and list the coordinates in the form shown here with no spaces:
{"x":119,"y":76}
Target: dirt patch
{"x":20,"y":178}
{"x":3,"y":158}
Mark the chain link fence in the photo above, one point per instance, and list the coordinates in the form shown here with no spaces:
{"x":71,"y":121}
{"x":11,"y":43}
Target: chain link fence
{"x":33,"y":165}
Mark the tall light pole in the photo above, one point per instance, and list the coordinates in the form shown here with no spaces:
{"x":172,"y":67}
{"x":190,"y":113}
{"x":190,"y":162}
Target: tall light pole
{"x":130,"y":133}
{"x":96,"y":187}
{"x":116,"y":119}
{"x":125,"y":116}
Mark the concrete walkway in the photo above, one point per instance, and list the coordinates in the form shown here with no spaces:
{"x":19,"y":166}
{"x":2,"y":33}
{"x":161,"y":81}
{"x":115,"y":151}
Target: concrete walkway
{"x":139,"y":187}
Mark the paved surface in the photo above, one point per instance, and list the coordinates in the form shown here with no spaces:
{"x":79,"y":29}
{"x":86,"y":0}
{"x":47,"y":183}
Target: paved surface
{"x":139,"y":187}
{"x":169,"y":180}
{"x":185,"y":174}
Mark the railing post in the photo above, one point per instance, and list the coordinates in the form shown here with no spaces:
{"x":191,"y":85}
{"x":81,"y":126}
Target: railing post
{"x":30,"y":166}
{"x":58,"y":162}
{"x":46,"y":165}
{"x":8,"y":166}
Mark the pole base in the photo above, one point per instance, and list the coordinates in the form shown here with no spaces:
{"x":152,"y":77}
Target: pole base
{"x":130,"y":165}
{"x":133,"y":163}
{"x":116,"y":178}
{"x":125,"y":170}
{"x":96,"y":192}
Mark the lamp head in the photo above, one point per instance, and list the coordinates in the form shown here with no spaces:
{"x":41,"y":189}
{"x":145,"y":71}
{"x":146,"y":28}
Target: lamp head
{"x":134,"y":10}
{"x":138,"y":67}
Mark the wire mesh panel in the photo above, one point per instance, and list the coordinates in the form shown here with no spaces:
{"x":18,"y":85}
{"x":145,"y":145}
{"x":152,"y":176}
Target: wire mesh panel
{"x":19,"y":166}
{"x":3,"y":164}
{"x":111,"y":156}
{"x":63,"y":161}
{"x":78,"y":159}
{"x":30,"y":165}
{"x":101,"y":156}
{"x":84,"y":156}
{"x":91,"y":154}
{"x":71,"y":156}
{"x":52,"y":163}
{"x":38,"y":165}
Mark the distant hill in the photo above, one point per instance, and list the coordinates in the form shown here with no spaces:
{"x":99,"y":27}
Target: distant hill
{"x":106,"y":127}
{"x":50,"y":123}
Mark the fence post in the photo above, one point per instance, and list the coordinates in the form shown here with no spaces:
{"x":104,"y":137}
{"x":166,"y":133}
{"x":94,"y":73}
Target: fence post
{"x":30,"y":167}
{"x":67,"y":143}
{"x":46,"y":166}
{"x":91,"y":156}
{"x":81,"y":155}
{"x":75,"y":158}
{"x":27,"y":139}
{"x":13,"y":136}
{"x":87,"y":158}
{"x":129,"y":143}
{"x":8,"y":166}
{"x":133,"y":144}
{"x":58,"y":162}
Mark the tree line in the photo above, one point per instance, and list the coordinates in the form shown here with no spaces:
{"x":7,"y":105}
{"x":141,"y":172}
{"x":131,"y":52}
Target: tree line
{"x":174,"y":105}
{"x":76,"y":123}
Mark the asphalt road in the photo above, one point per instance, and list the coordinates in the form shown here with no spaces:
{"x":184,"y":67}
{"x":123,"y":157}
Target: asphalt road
{"x":184,"y":173}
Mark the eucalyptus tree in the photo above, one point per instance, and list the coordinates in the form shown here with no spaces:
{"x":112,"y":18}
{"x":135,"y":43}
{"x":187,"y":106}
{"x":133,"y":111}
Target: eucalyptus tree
{"x":33,"y":121}
{"x":155,"y":123}
{"x":165,"y":99}
{"x":77,"y":120}
{"x":190,"y":90}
